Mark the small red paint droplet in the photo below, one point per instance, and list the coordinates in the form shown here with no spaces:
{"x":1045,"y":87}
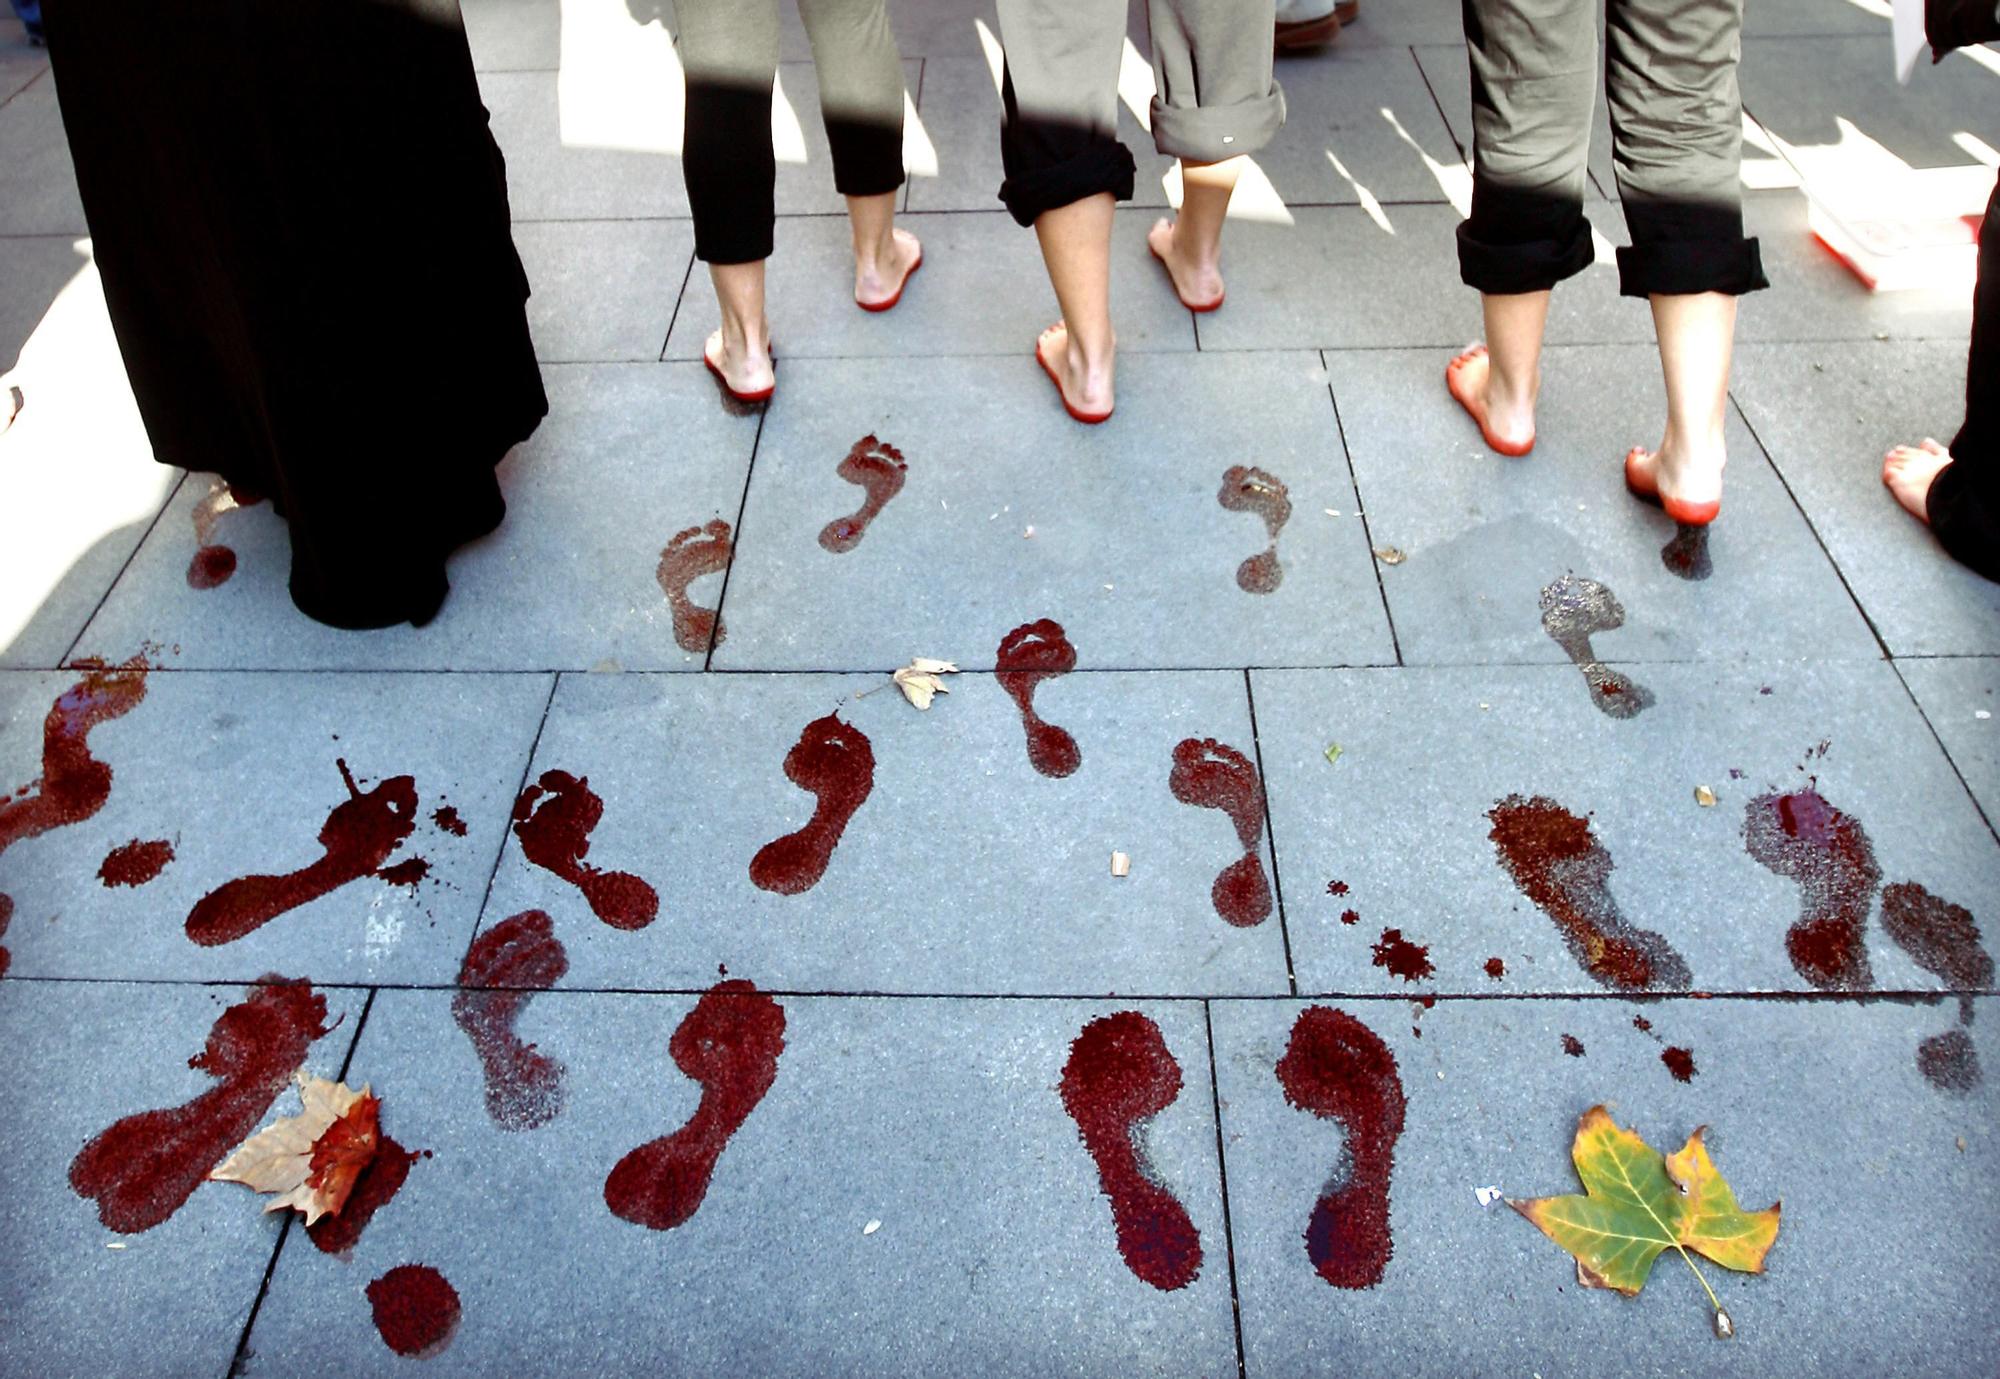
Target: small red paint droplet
{"x":1572,"y":1046}
{"x":407,"y":872}
{"x":1827,"y":853}
{"x":1496,"y":968}
{"x":211,"y":567}
{"x":135,"y":863}
{"x":416,"y":1309}
{"x":1642,"y":1024}
{"x":446,"y":818}
{"x":1030,"y":654}
{"x":880,"y":471}
{"x":1336,"y":888}
{"x":1680,"y":1062}
{"x":1210,"y":775}
{"x":379,"y":1182}
{"x":1350,"y":916}
{"x":553,"y":819}
{"x":835,"y":763}
{"x":519,"y":956}
{"x":1410,"y":961}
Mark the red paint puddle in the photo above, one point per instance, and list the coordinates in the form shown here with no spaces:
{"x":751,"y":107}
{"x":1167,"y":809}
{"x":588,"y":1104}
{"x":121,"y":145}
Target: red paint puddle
{"x":1410,"y":961}
{"x":1350,"y":916}
{"x":379,"y":1182}
{"x":1565,"y":871}
{"x":729,"y":1043}
{"x":1574,"y":610}
{"x":213,"y":564}
{"x":135,"y":863}
{"x":833,"y":762}
{"x":1030,"y":654}
{"x":1572,"y":1046}
{"x":1338,"y":1069}
{"x":141,"y":1169}
{"x":1680,"y":1062}
{"x":358,"y":837}
{"x":1496,"y":968}
{"x":407,"y":872}
{"x":1248,"y":489}
{"x":691,"y":554}
{"x":1336,"y":888}
{"x":1944,"y":940}
{"x":554,"y":819}
{"x":1826,"y":852}
{"x":879,"y":470}
{"x":521,"y":955}
{"x":416,"y":1309}
{"x":1208,"y":775}
{"x":446,"y":818}
{"x":1120,"y":1074}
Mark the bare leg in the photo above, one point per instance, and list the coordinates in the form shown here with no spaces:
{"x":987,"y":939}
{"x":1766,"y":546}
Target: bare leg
{"x":1076,"y":246}
{"x":1696,"y":332}
{"x":1908,"y":471}
{"x":882,"y":253}
{"x":1503,"y":378}
{"x":742,"y":347}
{"x":1191,"y":245}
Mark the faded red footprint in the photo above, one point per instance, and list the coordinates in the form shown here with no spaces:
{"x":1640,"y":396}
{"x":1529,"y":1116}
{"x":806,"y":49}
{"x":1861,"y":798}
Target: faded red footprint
{"x":834,"y":762}
{"x":691,"y":554}
{"x":1209,"y":775}
{"x":1338,"y":1069}
{"x":1573,"y":611}
{"x":358,"y":837}
{"x":1031,"y":653}
{"x":1827,"y":853}
{"x":1686,"y":555}
{"x":1565,"y":871}
{"x":213,"y":564}
{"x":416,"y":1309}
{"x":518,"y":956}
{"x":135,"y":863}
{"x":554,"y":819}
{"x":880,"y":470}
{"x":1119,"y":1076}
{"x":729,"y":1043}
{"x":1944,"y":940}
{"x":1249,"y":489}
{"x":141,"y":1169}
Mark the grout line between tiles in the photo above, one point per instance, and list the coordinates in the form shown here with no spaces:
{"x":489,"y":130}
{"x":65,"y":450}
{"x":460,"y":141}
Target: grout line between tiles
{"x":1222,"y":1173}
{"x":1270,"y":835}
{"x":1361,"y":510}
{"x":132,"y":555}
{"x":500,"y":853}
{"x":735,"y":541}
{"x":1945,"y":751}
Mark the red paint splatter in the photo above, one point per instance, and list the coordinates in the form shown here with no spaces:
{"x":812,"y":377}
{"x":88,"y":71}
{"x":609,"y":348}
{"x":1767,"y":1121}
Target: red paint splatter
{"x":520,"y":955}
{"x":1642,"y":1024}
{"x":1572,"y":1046}
{"x":691,"y":554}
{"x":729,"y":1043}
{"x":1495,"y":968}
{"x":213,"y":564}
{"x":135,"y":863}
{"x":1120,"y":1074}
{"x":554,"y":819}
{"x":1410,"y":961}
{"x":1338,"y":1069}
{"x":141,"y":1169}
{"x":1248,"y":489}
{"x":833,"y":762}
{"x":1030,"y":654}
{"x":407,"y":872}
{"x":1941,"y":936}
{"x":879,"y":470}
{"x":416,"y":1309}
{"x":1949,"y":1062}
{"x":358,"y":837}
{"x":379,"y":1182}
{"x":1350,"y":916}
{"x":1209,"y":775}
{"x":1566,"y":872}
{"x":1336,"y":888}
{"x":446,"y":818}
{"x":1827,"y":853}
{"x":1680,"y":1062}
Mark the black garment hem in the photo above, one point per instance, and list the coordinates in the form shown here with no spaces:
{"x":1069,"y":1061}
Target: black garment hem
{"x":1102,"y":166}
{"x":1532,"y":266}
{"x":1683,"y":267}
{"x":867,"y":157}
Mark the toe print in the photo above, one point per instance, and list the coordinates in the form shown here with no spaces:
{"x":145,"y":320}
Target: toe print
{"x":1247,"y":489}
{"x":1806,"y":840}
{"x":691,"y":554}
{"x":833,"y":762}
{"x":553,"y":820}
{"x":1338,"y":1069}
{"x":879,"y":470}
{"x":1030,"y":654}
{"x":1119,"y":1076}
{"x":507,"y":965}
{"x":213,"y":564}
{"x":1208,"y":775}
{"x":1944,"y":940}
{"x":1573,"y":611}
{"x":135,"y":863}
{"x":729,"y":1043}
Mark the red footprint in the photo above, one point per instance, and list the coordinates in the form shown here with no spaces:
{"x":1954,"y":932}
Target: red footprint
{"x":1336,"y":1068}
{"x":1247,"y":489}
{"x":1208,"y":775}
{"x":1030,"y":654}
{"x":691,"y":554}
{"x":416,"y":1309}
{"x":358,"y":837}
{"x":729,"y":1043}
{"x":554,"y":819}
{"x":520,"y":956}
{"x":1120,"y":1075}
{"x":144,"y":1167}
{"x":834,"y":762}
{"x":1802,"y":837}
{"x":880,"y":470}
{"x":214,"y":564}
{"x":1944,"y":939}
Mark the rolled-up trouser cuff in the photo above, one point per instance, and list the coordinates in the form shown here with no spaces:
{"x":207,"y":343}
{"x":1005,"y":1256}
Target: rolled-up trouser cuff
{"x":1532,"y":266}
{"x":1681,"y":267}
{"x":1209,"y":133}
{"x":867,"y":156}
{"x":1102,"y":165}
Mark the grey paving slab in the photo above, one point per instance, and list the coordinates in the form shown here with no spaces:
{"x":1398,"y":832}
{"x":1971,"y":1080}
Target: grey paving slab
{"x":1818,"y":1105}
{"x":241,"y":775}
{"x":1396,"y":24}
{"x":513,"y":35}
{"x":1362,"y":107}
{"x":941,"y":1120}
{"x":1957,"y":697}
{"x":1485,"y":535}
{"x":21,"y":62}
{"x":1785,"y":18}
{"x":80,"y":1299}
{"x":1814,"y":297}
{"x":982,"y":290}
{"x":949,"y":564}
{"x":603,"y":289}
{"x":37,"y":187}
{"x":32,"y":271}
{"x":630,"y":456}
{"x":1826,"y":413}
{"x":962,"y":870}
{"x":553,"y":178}
{"x":1800,"y":88}
{"x":1413,"y":843}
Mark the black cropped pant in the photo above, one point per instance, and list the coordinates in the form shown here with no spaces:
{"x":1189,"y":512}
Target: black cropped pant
{"x":1964,"y":500}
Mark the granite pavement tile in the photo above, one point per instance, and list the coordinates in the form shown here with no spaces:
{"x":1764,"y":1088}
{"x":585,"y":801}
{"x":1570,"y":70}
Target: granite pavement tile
{"x":37,"y":185}
{"x":603,"y":290}
{"x":1362,"y":106}
{"x":554,"y":177}
{"x":1958,"y":697}
{"x":1802,"y":89}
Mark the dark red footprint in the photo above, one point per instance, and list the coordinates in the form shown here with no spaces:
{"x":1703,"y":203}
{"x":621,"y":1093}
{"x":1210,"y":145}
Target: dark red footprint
{"x":1248,"y":489}
{"x":833,"y":762}
{"x":213,"y":564}
{"x":1565,"y":871}
{"x":691,"y":554}
{"x":1031,"y":653}
{"x":145,"y":1166}
{"x":1944,"y":940}
{"x":1802,"y":837}
{"x":1208,"y":775}
{"x":554,"y":819}
{"x":416,"y":1309}
{"x":519,"y":956}
{"x":358,"y":837}
{"x":1338,"y":1069}
{"x":880,"y":470}
{"x":729,"y":1043}
{"x":1573,"y":611}
{"x":1120,"y":1075}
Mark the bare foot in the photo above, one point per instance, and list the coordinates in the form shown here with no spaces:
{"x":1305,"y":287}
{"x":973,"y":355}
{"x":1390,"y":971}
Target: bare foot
{"x":1197,"y":284}
{"x":1506,"y":422}
{"x":879,"y":278}
{"x":1684,"y":479}
{"x":10,"y":405}
{"x":1908,"y":471}
{"x":744,"y":366}
{"x":1086,"y":391}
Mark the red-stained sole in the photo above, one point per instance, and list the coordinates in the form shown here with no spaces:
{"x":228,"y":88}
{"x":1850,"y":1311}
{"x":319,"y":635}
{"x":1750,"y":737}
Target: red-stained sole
{"x":897,"y":295}
{"x":1685,"y":513}
{"x":1199,"y":308}
{"x":1477,"y":411}
{"x":763,"y":395}
{"x":1087,"y":418}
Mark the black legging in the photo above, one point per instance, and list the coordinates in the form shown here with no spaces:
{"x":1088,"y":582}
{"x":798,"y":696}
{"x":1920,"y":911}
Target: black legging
{"x":1964,"y":499}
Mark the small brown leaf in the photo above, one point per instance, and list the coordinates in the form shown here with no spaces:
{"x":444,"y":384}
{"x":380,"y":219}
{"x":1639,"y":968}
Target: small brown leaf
{"x":1704,"y":796}
{"x":310,"y":1161}
{"x":1390,"y":555}
{"x":919,"y":680}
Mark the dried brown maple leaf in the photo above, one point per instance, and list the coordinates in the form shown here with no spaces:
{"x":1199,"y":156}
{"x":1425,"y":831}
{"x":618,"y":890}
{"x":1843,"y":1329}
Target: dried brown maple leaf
{"x":310,"y":1161}
{"x":919,"y":680}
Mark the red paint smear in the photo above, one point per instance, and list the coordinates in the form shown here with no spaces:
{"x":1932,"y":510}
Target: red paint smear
{"x":1566,"y":872}
{"x":1350,"y":916}
{"x":1246,"y":489}
{"x":1336,"y":888}
{"x":729,"y":1043}
{"x":1680,"y":1062}
{"x":446,"y":818}
{"x":1495,"y":968}
{"x":379,"y":1182}
{"x":1572,"y":1046}
{"x":1120,"y":1075}
{"x":145,"y":1166}
{"x":211,"y":566}
{"x":1209,"y":775}
{"x":135,"y":863}
{"x":1827,"y":853}
{"x":1338,"y":1069}
{"x":358,"y":837}
{"x":1949,"y":1062}
{"x":880,"y":470}
{"x":524,"y":1087}
{"x":691,"y":554}
{"x":73,"y":784}
{"x":1410,"y":961}
{"x":554,"y":819}
{"x":1030,"y":654}
{"x":407,"y":872}
{"x":1941,"y":936}
{"x":833,"y":762}
{"x":416,"y":1309}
